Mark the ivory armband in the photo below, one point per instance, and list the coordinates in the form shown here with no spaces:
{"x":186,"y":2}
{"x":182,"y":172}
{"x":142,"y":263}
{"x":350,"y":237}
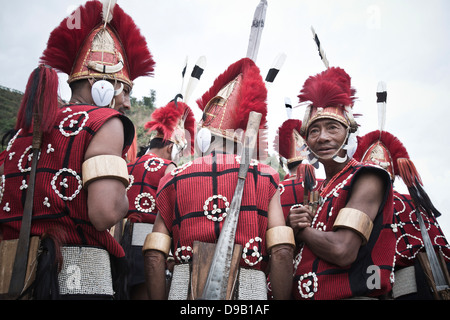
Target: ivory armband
{"x":157,"y":241}
{"x":105,"y":167}
{"x":279,"y":235}
{"x":355,"y":220}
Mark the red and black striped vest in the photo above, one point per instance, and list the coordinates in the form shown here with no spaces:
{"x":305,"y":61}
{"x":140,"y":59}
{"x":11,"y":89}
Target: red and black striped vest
{"x":370,"y":274}
{"x":145,"y":174}
{"x":194,"y":200}
{"x":60,"y":202}
{"x":291,"y":194}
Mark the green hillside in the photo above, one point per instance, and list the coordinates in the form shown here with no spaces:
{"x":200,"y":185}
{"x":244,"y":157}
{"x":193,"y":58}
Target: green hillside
{"x":9,"y":104}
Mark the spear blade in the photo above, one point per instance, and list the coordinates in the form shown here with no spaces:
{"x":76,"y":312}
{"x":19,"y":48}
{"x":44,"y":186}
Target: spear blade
{"x":259,"y":19}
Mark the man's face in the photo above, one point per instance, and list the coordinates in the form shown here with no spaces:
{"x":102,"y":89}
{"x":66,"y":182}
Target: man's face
{"x":123,"y":103}
{"x":325,"y":137}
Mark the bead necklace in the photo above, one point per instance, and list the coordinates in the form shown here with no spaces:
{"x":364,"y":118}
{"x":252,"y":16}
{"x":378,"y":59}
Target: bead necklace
{"x":324,"y":194}
{"x":325,"y":184}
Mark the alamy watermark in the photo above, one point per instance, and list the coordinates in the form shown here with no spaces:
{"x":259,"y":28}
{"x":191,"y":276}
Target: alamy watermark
{"x":74,"y":18}
{"x":373,"y":17}
{"x":374,"y":279}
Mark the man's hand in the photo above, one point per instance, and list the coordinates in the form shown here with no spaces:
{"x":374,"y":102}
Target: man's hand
{"x":299,"y":219}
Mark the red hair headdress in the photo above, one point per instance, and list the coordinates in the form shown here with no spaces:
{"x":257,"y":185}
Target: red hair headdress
{"x":330,"y":96}
{"x":384,"y":149}
{"x":381,"y":148}
{"x":227,"y":104}
{"x":99,"y":41}
{"x":39,"y":104}
{"x":288,"y":141}
{"x":174,"y":122}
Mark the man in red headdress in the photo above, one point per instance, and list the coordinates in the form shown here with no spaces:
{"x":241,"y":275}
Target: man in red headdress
{"x":345,"y":247}
{"x":291,"y":148}
{"x":383,"y":149}
{"x":174,"y":125}
{"x":81,"y":176}
{"x":194,"y":199}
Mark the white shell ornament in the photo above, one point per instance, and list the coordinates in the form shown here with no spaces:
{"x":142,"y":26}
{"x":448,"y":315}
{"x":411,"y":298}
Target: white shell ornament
{"x":204,"y":139}
{"x":102,"y":93}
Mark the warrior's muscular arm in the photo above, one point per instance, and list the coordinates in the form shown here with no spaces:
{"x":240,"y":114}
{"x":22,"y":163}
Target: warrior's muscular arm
{"x":341,"y":247}
{"x":281,"y":255}
{"x":155,"y":266}
{"x":107,"y":198}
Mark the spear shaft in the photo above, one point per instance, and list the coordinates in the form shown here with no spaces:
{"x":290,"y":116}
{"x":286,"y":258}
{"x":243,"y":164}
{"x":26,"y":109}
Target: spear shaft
{"x":217,"y":280}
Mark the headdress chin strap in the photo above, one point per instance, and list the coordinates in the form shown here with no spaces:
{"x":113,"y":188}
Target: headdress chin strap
{"x":116,"y":93}
{"x":348,"y":145}
{"x":351,"y":119}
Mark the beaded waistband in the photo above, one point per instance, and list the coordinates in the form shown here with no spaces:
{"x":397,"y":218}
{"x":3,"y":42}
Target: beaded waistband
{"x":85,"y":271}
{"x":252,"y":283}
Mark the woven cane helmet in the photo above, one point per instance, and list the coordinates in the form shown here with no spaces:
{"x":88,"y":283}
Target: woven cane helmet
{"x":99,"y":41}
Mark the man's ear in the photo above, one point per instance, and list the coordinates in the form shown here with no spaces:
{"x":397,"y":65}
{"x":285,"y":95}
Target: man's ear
{"x":169,"y":149}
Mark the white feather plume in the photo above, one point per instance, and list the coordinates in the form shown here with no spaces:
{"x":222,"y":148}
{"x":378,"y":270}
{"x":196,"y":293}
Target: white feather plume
{"x":288,"y":106}
{"x":183,"y":74}
{"x":319,"y":47}
{"x":381,"y":106}
{"x":275,"y":68}
{"x":107,"y":10}
{"x":197,"y":71}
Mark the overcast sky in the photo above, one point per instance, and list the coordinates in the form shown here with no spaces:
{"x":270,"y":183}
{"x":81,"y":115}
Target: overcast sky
{"x":402,"y":42}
